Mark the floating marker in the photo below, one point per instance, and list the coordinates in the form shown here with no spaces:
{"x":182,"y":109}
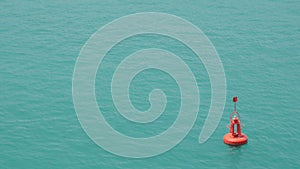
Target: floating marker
{"x":235,"y":138}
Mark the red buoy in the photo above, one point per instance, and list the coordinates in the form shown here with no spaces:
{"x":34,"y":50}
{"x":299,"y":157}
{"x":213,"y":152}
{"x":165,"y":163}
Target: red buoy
{"x":235,"y":137}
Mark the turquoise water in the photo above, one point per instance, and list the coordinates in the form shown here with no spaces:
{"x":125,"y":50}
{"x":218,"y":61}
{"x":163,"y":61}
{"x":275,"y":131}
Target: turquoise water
{"x":257,"y":41}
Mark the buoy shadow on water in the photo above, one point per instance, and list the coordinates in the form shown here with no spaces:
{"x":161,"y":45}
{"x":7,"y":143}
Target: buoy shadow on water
{"x":234,"y":150}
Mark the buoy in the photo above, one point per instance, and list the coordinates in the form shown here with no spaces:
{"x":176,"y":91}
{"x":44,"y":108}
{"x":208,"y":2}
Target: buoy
{"x":235,"y":138}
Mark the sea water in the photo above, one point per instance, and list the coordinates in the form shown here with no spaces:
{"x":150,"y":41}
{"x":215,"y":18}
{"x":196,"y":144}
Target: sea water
{"x":258,"y":45}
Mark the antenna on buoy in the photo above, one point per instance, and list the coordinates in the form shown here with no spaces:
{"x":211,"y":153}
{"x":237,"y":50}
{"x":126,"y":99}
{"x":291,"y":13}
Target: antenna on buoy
{"x":235,"y":99}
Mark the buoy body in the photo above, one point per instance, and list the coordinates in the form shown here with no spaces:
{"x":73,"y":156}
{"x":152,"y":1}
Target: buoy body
{"x":235,"y":138}
{"x":235,"y":141}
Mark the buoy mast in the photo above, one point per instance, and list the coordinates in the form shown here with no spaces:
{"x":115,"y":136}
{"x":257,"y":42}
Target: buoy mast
{"x":235,"y":99}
